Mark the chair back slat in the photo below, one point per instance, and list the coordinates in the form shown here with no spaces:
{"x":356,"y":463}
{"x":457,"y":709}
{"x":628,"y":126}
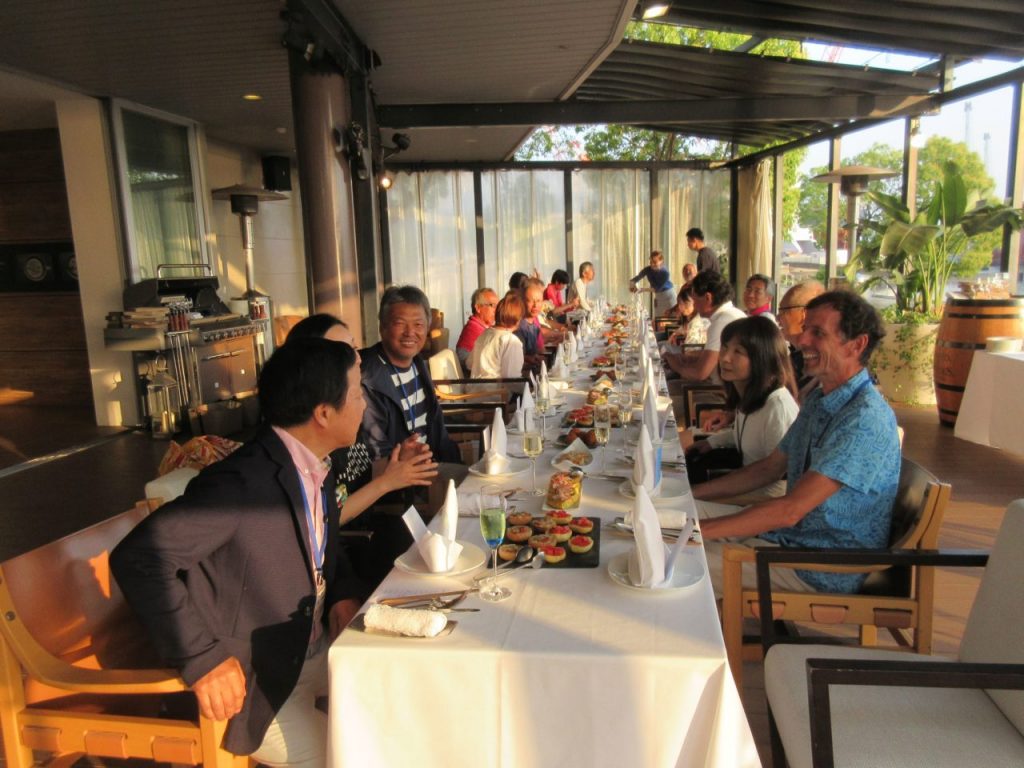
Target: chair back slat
{"x":917,"y":501}
{"x":96,"y":628}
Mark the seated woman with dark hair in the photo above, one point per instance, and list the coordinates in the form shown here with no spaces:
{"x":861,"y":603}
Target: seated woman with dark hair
{"x":760,"y":387}
{"x":693,"y":329}
{"x":555,"y":293}
{"x":360,"y":482}
{"x":498,"y":353}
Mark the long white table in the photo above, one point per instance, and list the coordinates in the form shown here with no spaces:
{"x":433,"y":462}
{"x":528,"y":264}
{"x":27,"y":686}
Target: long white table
{"x":573,"y":669}
{"x":992,"y":409}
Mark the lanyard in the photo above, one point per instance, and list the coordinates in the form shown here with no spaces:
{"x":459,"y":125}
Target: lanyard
{"x":317,"y":548}
{"x":807,"y":454}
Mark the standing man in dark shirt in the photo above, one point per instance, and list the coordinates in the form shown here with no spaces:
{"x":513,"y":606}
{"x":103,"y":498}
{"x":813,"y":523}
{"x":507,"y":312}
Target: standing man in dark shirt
{"x":707,"y":259}
{"x":661,"y":284}
{"x":400,"y":396}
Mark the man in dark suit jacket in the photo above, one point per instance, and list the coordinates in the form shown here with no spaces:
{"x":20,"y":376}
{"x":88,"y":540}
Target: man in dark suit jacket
{"x":240,"y":580}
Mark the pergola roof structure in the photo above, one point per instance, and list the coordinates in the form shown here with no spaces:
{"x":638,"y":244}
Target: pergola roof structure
{"x":469,"y":80}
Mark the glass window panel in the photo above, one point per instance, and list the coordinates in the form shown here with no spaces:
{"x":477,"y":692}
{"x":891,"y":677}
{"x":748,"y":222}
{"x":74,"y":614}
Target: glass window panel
{"x":441,"y":261}
{"x":404,"y":215}
{"x":164,"y":222}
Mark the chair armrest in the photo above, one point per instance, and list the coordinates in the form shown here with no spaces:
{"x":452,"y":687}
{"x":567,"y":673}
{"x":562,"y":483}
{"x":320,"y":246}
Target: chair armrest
{"x":795,"y":557}
{"x":904,"y":673}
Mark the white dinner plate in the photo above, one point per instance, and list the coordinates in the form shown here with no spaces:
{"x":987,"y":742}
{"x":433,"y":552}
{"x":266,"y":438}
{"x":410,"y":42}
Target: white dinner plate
{"x":688,"y":573}
{"x":515,"y":466}
{"x":672,"y":489}
{"x":471,"y":558}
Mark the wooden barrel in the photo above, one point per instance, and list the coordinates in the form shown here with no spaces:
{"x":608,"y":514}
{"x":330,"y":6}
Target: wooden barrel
{"x":966,"y":324}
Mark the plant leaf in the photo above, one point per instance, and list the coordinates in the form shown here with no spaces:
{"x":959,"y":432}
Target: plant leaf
{"x":954,"y":194}
{"x":907,"y":238}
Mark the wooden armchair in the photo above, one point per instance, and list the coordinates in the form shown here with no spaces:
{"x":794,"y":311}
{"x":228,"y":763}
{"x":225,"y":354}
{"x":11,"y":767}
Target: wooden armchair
{"x":77,"y":675}
{"x":898,"y":598}
{"x":689,"y":400}
{"x":915,"y":710}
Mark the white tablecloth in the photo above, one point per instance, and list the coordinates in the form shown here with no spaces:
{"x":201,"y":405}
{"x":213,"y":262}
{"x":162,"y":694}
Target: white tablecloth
{"x":573,"y":670}
{"x":992,"y":409}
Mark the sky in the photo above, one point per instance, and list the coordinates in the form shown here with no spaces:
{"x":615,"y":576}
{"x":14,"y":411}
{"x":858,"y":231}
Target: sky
{"x":983,"y":122}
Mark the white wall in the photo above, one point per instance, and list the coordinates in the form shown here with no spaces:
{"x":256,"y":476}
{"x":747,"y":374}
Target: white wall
{"x":92,"y":201}
{"x":278,"y":251}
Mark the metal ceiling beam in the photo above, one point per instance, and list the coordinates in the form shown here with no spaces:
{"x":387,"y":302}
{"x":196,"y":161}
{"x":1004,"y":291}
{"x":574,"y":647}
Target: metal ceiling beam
{"x":930,"y":28}
{"x":825,"y":108}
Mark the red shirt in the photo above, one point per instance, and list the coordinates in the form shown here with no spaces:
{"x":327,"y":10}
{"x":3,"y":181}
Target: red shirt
{"x":554,"y":294}
{"x":470,"y":333}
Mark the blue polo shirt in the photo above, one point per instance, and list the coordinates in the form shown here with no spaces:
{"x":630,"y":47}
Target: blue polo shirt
{"x":529,"y":333}
{"x":848,"y":435}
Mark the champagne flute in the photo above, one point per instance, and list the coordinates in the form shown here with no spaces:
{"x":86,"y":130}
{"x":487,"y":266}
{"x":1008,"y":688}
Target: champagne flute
{"x":602,"y":429}
{"x":541,"y":403}
{"x":625,"y":402}
{"x":533,"y":445}
{"x":492,"y":527}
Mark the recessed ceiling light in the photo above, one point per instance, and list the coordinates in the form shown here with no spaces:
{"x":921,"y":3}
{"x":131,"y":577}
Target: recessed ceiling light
{"x":653,"y":9}
{"x":252,"y":97}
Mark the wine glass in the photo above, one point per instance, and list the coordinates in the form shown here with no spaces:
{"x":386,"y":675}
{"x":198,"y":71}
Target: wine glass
{"x":533,"y":445}
{"x":542,"y":403}
{"x":492,"y":527}
{"x":602,"y":429}
{"x":625,"y":403}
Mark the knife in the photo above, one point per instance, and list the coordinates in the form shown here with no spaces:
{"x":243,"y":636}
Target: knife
{"x":426,"y":597}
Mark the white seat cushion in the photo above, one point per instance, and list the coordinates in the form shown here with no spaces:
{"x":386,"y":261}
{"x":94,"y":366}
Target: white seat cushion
{"x":877,"y":726}
{"x":170,"y":486}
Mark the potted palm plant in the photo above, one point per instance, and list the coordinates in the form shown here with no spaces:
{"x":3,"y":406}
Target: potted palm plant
{"x":915,"y":257}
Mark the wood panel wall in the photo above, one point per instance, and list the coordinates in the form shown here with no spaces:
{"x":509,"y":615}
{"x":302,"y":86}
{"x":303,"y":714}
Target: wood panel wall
{"x":33,"y":196}
{"x":42,"y":335}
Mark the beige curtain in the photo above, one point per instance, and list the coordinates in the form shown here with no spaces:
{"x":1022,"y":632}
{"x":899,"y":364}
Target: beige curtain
{"x":754,"y":235}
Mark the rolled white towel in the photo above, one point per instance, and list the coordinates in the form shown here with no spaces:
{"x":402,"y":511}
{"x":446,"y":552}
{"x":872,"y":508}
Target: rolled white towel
{"x":405,"y":621}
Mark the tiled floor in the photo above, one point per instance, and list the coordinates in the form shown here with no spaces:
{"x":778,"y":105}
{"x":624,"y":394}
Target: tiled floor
{"x":47,"y":501}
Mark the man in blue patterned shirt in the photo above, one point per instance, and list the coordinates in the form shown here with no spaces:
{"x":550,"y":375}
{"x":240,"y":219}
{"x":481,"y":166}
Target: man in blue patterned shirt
{"x":841,"y":458}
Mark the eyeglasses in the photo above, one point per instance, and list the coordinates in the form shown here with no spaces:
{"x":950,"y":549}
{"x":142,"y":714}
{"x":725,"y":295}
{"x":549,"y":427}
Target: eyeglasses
{"x":791,"y":306}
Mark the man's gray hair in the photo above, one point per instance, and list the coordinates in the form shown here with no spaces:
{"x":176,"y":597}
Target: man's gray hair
{"x":401,"y":294}
{"x":769,"y":284}
{"x":477,"y":297}
{"x":584,"y":266}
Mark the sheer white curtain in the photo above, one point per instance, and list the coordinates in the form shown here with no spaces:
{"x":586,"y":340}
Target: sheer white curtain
{"x":610,"y":211}
{"x":433,"y":245}
{"x":432,"y":224}
{"x":528,"y":222}
{"x":754,"y":230}
{"x":687,"y":199}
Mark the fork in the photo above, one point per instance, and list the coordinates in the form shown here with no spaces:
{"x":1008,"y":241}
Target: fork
{"x":438,"y":604}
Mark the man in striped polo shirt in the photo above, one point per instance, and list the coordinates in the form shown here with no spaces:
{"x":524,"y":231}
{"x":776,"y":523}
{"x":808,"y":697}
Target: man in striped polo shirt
{"x":400,"y":397}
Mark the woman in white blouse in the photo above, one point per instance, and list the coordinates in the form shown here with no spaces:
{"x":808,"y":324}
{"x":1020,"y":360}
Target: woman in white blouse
{"x":498,"y":352}
{"x":760,"y":387}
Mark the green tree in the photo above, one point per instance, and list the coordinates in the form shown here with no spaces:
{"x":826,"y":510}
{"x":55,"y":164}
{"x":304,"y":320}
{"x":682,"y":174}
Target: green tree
{"x":931,"y":161}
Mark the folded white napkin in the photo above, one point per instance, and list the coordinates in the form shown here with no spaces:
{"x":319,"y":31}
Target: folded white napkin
{"x":644,"y":357}
{"x":677,"y":550}
{"x":574,"y":348}
{"x":576,"y":446}
{"x":543,"y":386}
{"x":647,"y":560}
{"x":439,"y":551}
{"x":496,"y":441}
{"x":651,"y":420}
{"x":559,"y":370}
{"x":405,"y":621}
{"x":645,"y":471}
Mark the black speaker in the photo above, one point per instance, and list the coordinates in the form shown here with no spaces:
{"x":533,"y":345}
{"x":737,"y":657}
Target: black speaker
{"x":277,"y":173}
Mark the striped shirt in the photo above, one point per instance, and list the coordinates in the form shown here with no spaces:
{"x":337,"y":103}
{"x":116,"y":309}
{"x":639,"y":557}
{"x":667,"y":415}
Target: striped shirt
{"x":412,"y":397}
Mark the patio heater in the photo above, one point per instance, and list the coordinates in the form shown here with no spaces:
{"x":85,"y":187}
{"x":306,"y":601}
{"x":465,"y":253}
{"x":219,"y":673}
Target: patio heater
{"x":853,"y":182}
{"x":245,"y":202}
